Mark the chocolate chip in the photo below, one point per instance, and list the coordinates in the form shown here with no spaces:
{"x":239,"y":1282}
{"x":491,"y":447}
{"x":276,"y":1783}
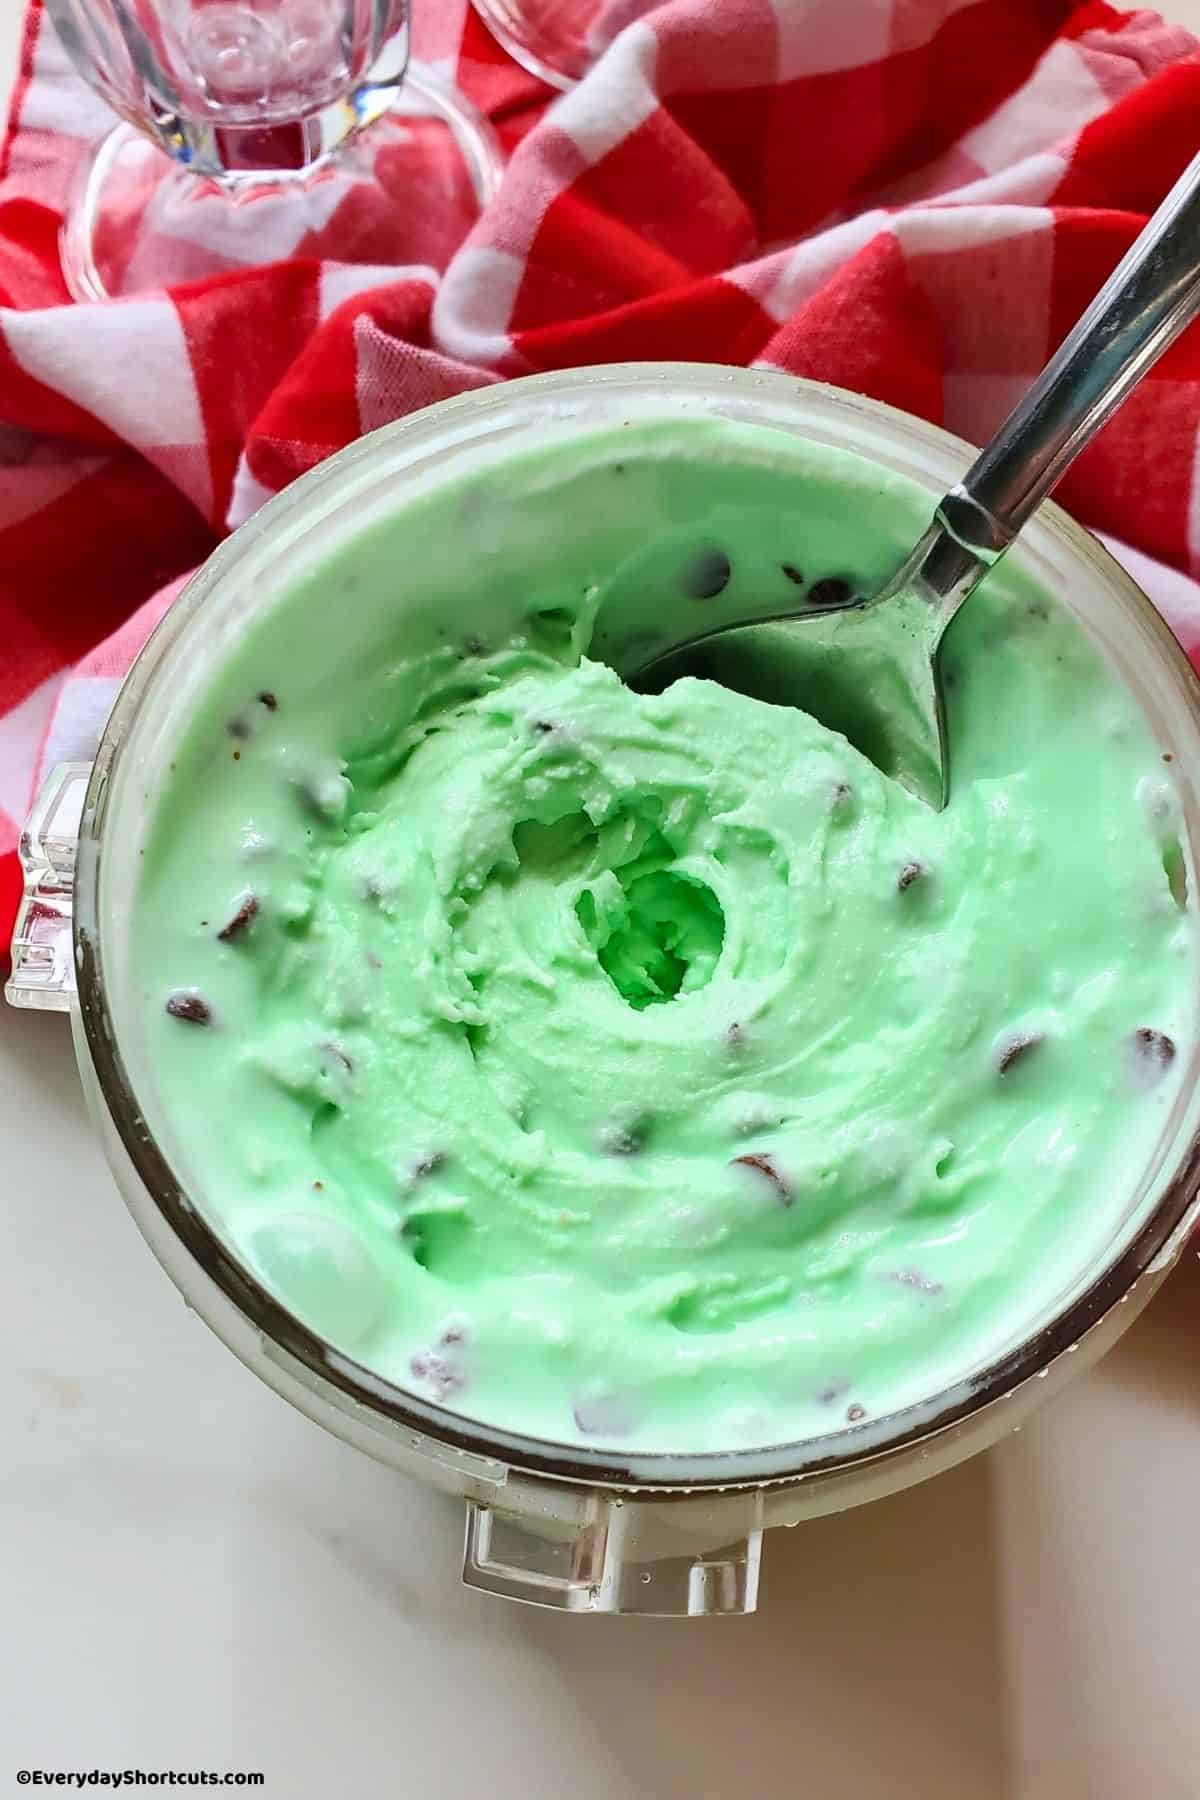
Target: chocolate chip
{"x":267,"y":699}
{"x":429,"y":1164}
{"x":542,"y":725}
{"x":793,"y":573}
{"x":238,"y":728}
{"x":833,"y":1392}
{"x":912,"y":871}
{"x":706,"y":575}
{"x":855,"y":1413}
{"x":735,"y":1036}
{"x":474,"y":646}
{"x":336,"y":1054}
{"x":1014,"y":1048}
{"x":832,"y":591}
{"x":1151,"y":1054}
{"x":186,"y":1004}
{"x":453,"y":1335}
{"x":763,"y":1165}
{"x":242,"y":919}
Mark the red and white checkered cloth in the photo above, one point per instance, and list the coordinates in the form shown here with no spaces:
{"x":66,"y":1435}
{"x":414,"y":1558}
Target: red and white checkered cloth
{"x":914,"y":198}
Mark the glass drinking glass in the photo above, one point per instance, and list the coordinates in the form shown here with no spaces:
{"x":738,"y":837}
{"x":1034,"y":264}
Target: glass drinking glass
{"x":258,"y":129}
{"x":558,"y":40}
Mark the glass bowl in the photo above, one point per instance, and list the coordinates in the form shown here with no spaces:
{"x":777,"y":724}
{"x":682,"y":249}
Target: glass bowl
{"x":578,"y":1528}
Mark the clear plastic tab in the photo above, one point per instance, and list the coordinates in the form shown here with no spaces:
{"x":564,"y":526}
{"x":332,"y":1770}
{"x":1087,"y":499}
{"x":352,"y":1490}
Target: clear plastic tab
{"x":43,"y":968}
{"x":608,"y":1563}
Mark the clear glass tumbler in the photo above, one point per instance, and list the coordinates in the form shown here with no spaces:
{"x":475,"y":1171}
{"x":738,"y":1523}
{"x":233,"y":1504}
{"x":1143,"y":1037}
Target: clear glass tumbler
{"x":558,"y":40}
{"x":258,"y":129}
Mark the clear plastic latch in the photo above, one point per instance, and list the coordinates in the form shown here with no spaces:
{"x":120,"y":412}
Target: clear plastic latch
{"x":43,"y":967}
{"x":617,"y":1557}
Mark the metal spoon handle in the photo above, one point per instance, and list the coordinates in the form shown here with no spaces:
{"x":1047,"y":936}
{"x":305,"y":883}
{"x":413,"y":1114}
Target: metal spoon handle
{"x":1152,"y":294}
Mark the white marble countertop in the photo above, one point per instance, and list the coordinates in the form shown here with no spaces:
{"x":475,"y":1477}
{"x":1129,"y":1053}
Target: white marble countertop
{"x":193,"y":1575}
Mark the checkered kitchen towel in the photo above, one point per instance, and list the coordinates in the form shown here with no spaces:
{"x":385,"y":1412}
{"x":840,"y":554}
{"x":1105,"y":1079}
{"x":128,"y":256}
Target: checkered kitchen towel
{"x":914,"y":198}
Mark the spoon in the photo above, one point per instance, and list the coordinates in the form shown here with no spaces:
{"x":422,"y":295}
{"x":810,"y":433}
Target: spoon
{"x":883,"y":650}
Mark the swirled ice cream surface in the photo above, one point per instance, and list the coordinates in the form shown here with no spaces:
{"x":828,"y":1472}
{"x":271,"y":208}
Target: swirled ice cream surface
{"x":650,"y":1070}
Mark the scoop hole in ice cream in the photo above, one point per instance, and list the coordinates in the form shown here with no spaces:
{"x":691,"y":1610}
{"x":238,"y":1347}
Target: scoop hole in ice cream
{"x":656,"y":931}
{"x":659,"y":936}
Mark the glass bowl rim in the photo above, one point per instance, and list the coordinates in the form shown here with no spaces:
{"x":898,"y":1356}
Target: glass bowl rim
{"x":758,"y":1466}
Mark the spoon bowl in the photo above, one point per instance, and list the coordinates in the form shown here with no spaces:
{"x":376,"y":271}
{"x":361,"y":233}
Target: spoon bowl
{"x":869,"y":666}
{"x":866,"y":668}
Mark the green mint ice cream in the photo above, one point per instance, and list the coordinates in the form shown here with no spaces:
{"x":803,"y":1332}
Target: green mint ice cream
{"x":650,"y":1070}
